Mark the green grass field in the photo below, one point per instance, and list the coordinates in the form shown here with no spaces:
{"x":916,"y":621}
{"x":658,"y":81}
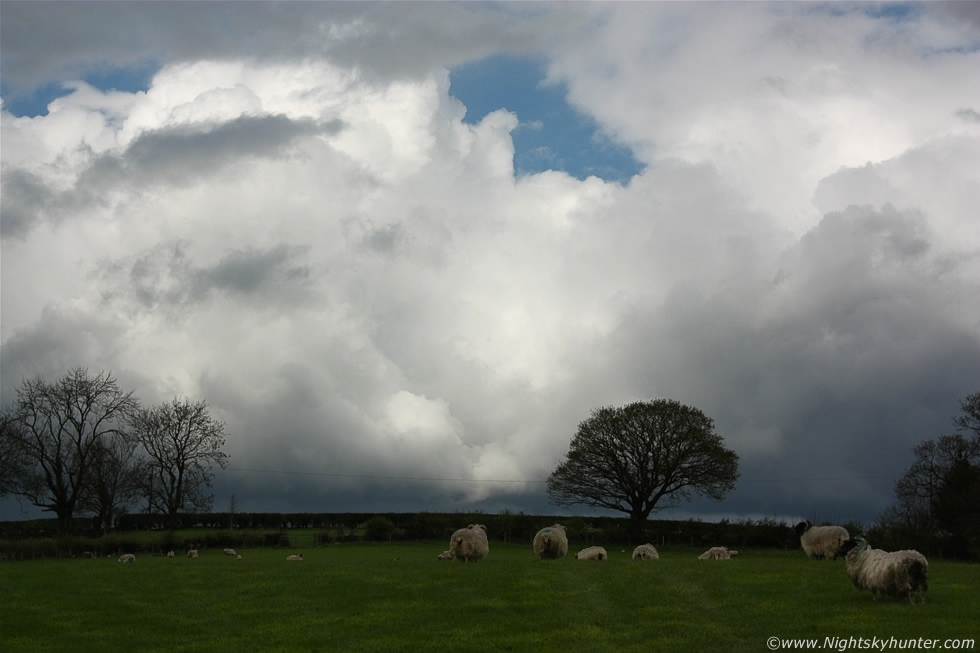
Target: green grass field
{"x":399,"y":597}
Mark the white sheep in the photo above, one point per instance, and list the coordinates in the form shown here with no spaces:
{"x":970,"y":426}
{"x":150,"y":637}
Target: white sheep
{"x":646,"y":552}
{"x":127,"y":558}
{"x":230,"y":552}
{"x":469,"y":543}
{"x":717,"y":553}
{"x":295,"y":556}
{"x":821,"y":542}
{"x":170,"y":554}
{"x":192,"y":553}
{"x":445,"y":555}
{"x":592,"y":553}
{"x":902,"y":574}
{"x":551,"y":543}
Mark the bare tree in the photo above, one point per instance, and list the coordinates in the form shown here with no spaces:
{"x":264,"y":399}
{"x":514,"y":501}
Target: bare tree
{"x":58,"y":428}
{"x":113,"y":481}
{"x":643,"y":456}
{"x":13,"y":459}
{"x":182,"y":444}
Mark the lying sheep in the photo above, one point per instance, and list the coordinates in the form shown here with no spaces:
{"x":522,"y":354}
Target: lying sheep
{"x":469,"y":543}
{"x":127,"y":558}
{"x":445,"y":555}
{"x":551,"y":543}
{"x":821,"y":542}
{"x":717,"y":553}
{"x":592,"y":553}
{"x":230,"y":552}
{"x":645,"y":552}
{"x":295,"y":556}
{"x":192,"y":553}
{"x":903,"y":574}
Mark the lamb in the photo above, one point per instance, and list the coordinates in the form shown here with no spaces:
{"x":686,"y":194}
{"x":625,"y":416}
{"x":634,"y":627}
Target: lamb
{"x":295,"y":556}
{"x":592,"y":553}
{"x":127,"y":558}
{"x":646,"y":552}
{"x":717,"y":553}
{"x":192,"y":553}
{"x":903,"y":574}
{"x":469,"y":543}
{"x":445,"y":555}
{"x":230,"y":552}
{"x":821,"y":542}
{"x":551,"y":543}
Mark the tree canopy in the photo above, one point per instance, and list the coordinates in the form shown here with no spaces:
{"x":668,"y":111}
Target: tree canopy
{"x":641,"y":457}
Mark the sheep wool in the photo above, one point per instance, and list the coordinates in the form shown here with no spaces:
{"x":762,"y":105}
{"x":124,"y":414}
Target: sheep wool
{"x":902,"y":574}
{"x":445,"y":555}
{"x":592,"y":553}
{"x":551,"y":543}
{"x":170,"y":554}
{"x":469,"y":543}
{"x":717,"y":553}
{"x":192,"y":553}
{"x":230,"y":552}
{"x":821,"y":542}
{"x":646,"y":552}
{"x":127,"y":558}
{"x":295,"y":556}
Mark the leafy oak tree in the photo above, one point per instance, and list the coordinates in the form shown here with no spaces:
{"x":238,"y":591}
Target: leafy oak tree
{"x":182,"y":443}
{"x":641,"y":457}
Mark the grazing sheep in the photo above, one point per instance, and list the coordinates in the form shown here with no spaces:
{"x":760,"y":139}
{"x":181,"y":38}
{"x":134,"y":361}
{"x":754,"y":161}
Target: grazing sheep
{"x":717,"y":553}
{"x":592,"y":553}
{"x":551,"y":543}
{"x":192,"y":553}
{"x":295,"y":556}
{"x":127,"y":558}
{"x":902,"y":574}
{"x":821,"y":542}
{"x":170,"y":554}
{"x":645,"y":552}
{"x":469,"y":543}
{"x":230,"y":552}
{"x":445,"y":555}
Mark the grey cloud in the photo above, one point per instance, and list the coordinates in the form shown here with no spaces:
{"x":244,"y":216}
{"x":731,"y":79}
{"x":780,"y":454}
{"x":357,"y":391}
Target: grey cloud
{"x":247,"y":272}
{"x":25,"y":199}
{"x":969,"y":115}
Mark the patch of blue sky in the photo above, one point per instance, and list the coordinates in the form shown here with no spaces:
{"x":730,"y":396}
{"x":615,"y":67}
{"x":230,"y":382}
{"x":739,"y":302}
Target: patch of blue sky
{"x":552,"y":135}
{"x":34,"y":102}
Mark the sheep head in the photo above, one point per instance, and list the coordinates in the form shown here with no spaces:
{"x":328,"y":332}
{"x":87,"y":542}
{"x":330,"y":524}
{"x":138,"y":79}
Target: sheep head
{"x":803,"y":527}
{"x":857,"y":542}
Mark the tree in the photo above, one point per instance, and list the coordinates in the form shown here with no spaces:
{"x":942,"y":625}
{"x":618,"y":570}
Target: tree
{"x":13,"y":460}
{"x":938,"y":493}
{"x":641,"y":457}
{"x":183,"y":444}
{"x":57,"y":428}
{"x":113,"y":481}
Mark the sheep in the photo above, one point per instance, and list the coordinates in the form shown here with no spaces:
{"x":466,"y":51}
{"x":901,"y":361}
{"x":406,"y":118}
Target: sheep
{"x":592,"y":553}
{"x":821,"y":542}
{"x":192,"y":553}
{"x":645,"y":552}
{"x":295,"y":556}
{"x":551,"y":543}
{"x":902,"y":574}
{"x":445,"y":555}
{"x":717,"y":553}
{"x":469,"y":543}
{"x":88,"y":554}
{"x":230,"y":552}
{"x":127,"y":558}
{"x":170,"y":553}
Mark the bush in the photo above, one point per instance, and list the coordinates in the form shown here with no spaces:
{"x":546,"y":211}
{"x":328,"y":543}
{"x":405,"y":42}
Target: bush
{"x":379,"y":529}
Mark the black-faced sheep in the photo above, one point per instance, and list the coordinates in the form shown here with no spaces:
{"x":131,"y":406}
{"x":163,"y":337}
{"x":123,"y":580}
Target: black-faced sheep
{"x":903,"y":574}
{"x":646,"y":552}
{"x":192,"y":553}
{"x":592,"y":553}
{"x":469,"y":543}
{"x":127,"y":558}
{"x":230,"y":552}
{"x":551,"y":543}
{"x":821,"y":542}
{"x":717,"y":553}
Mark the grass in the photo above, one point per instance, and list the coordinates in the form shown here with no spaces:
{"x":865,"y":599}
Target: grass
{"x":399,"y":597}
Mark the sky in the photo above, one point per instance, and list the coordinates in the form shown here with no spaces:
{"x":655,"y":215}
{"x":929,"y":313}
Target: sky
{"x":404,"y":249}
